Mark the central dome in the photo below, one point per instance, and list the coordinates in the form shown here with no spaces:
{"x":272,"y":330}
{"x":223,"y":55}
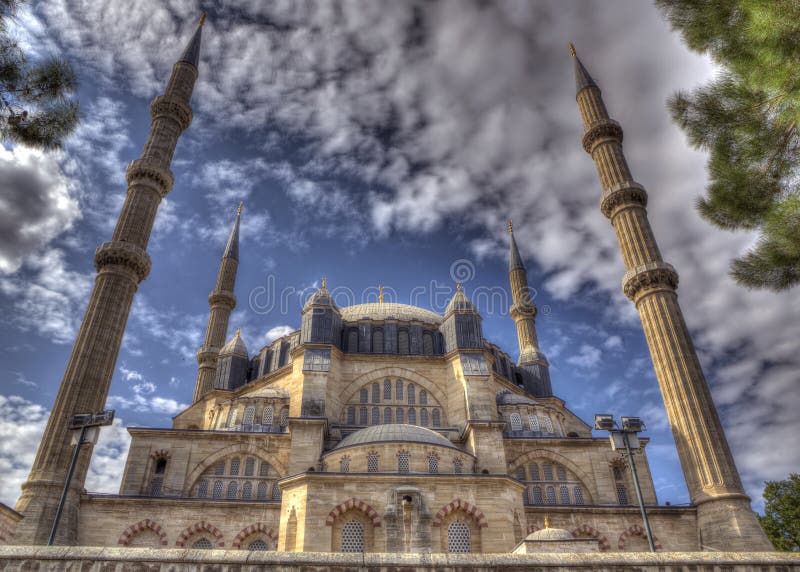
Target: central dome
{"x":394,"y":432}
{"x":384,"y":310}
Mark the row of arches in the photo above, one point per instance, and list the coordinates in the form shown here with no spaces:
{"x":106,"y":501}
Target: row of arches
{"x":201,"y":535}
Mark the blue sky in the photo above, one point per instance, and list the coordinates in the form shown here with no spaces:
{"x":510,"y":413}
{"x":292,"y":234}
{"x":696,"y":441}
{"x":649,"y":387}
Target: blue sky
{"x":379,"y":143}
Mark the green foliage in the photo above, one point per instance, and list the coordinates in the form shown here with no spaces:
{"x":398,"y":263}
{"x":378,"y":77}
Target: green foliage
{"x":747,"y":119}
{"x":35,"y":109}
{"x":781,"y":520}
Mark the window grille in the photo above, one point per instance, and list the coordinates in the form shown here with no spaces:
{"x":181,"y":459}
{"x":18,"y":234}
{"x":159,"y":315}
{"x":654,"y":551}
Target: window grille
{"x":458,"y":537}
{"x":264,"y":470}
{"x":317,"y":359}
{"x":551,"y":495}
{"x":261,"y":493}
{"x":232,"y":417}
{"x":387,"y":389}
{"x":564,"y":492}
{"x":202,"y":490}
{"x":247,"y":491}
{"x":344,"y":465}
{"x":372,"y":463}
{"x":268,"y":418}
{"x":351,"y":415}
{"x":235,"y":462}
{"x":548,"y":424}
{"x":412,"y":395}
{"x":376,"y":393}
{"x":217,"y":489}
{"x":521,"y":473}
{"x":377,"y":342}
{"x":258,"y":545}
{"x":399,"y":415}
{"x":534,"y":468}
{"x":284,"y":417}
{"x":353,"y":536}
{"x":516,"y":422}
{"x":363,"y":395}
{"x":203,"y":544}
{"x":458,"y":466}
{"x":398,"y":389}
{"x":577,"y":492}
{"x":474,"y":364}
{"x":533,"y":422}
{"x":437,"y":418}
{"x":376,"y":416}
{"x":423,"y":417}
{"x":548,"y":471}
{"x":427,"y":344}
{"x":362,"y":416}
{"x":403,"y":462}
{"x":412,"y":416}
{"x":219,"y":468}
{"x":402,"y":342}
{"x":622,"y":494}
{"x":423,"y":397}
{"x":155,"y":486}
{"x":276,"y":492}
{"x":537,"y":495}
{"x":249,"y":415}
{"x":561,"y":472}
{"x":433,"y":464}
{"x":387,"y":415}
{"x":249,"y":467}
{"x":233,"y":489}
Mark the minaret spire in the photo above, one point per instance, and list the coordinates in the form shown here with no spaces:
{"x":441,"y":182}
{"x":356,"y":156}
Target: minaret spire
{"x":221,"y":302}
{"x":121,"y":265}
{"x":534,"y":366}
{"x":724,"y":517}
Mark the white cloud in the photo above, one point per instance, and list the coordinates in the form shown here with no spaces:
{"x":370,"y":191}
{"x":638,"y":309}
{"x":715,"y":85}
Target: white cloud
{"x":587,"y":357}
{"x":129,"y":374}
{"x":277,"y":332}
{"x":613,"y":343}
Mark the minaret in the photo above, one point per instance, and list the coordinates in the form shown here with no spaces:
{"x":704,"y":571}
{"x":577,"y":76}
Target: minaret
{"x":724,"y":517}
{"x":121,"y":264}
{"x":222,"y":302}
{"x":532,"y":363}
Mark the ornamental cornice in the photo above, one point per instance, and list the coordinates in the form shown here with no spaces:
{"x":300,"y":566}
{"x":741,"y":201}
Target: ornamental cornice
{"x":124,"y":254}
{"x":624,"y":194}
{"x":140,"y":172}
{"x":599,"y":131}
{"x":647,"y":276}
{"x":171,"y":108}
{"x":222,"y":298}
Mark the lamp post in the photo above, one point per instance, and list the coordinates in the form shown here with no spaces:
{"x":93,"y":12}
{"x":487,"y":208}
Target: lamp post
{"x":85,"y":428}
{"x":627,"y":437}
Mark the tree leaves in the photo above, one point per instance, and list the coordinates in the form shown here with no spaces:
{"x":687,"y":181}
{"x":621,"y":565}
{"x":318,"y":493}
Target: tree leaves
{"x":781,"y":520}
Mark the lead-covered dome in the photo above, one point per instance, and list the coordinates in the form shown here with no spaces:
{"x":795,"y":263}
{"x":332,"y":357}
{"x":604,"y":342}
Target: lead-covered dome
{"x":235,"y":347}
{"x":549,"y":534}
{"x":509,"y":398}
{"x":394,"y":432}
{"x":384,"y":310}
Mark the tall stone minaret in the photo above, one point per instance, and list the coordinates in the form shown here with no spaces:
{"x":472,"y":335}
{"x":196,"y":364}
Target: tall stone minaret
{"x":532,"y":363}
{"x":121,"y":264}
{"x":724,"y":517}
{"x":222,"y":302}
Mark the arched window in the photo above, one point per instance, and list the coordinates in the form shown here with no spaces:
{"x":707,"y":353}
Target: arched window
{"x":377,"y":342}
{"x":249,"y":467}
{"x":387,"y":415}
{"x":157,"y":480}
{"x":548,"y":424}
{"x":458,"y":537}
{"x":433,"y":464}
{"x":249,"y":415}
{"x":376,"y":393}
{"x":534,"y":468}
{"x":264,"y":470}
{"x":233,"y":489}
{"x":548,"y":471}
{"x":561,"y":472}
{"x":533,"y":422}
{"x":261,"y":493}
{"x":458,"y":466}
{"x":344,"y":464}
{"x":247,"y":490}
{"x":412,"y":416}
{"x":217,"y":493}
{"x":362,"y":416}
{"x":437,"y":418}
{"x":537,"y":495}
{"x":219,"y":468}
{"x":351,"y":415}
{"x":258,"y":545}
{"x":578,"y":494}
{"x":353,"y":536}
{"x":427,"y":343}
{"x":363,"y":395}
{"x":387,"y":389}
{"x":423,"y":417}
{"x":403,"y":462}
{"x":269,"y":415}
{"x":412,"y":395}
{"x":376,"y":416}
{"x":372,"y":463}
{"x":234,"y":413}
{"x":202,"y":490}
{"x":352,"y":341}
{"x":564,"y":492}
{"x":551,"y":495}
{"x":622,"y":494}
{"x":284,"y":417}
{"x":402,"y":341}
{"x":235,"y":462}
{"x":423,"y":397}
{"x":398,"y":389}
{"x":516,"y":422}
{"x":399,"y":415}
{"x":276,"y":492}
{"x":202,"y":544}
{"x":521,"y":473}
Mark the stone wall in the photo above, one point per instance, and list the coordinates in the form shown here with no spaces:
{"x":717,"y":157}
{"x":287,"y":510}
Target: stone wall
{"x":93,"y":559}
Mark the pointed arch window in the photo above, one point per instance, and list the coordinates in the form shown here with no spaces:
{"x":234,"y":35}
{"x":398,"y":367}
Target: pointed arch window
{"x":247,"y":491}
{"x":521,"y":473}
{"x":376,"y":416}
{"x":353,"y":536}
{"x":423,"y":397}
{"x":398,"y":390}
{"x":234,"y":413}
{"x":402,"y":342}
{"x":458,"y":466}
{"x":269,"y":415}
{"x":219,"y":468}
{"x":363,"y":395}
{"x":433,"y":464}
{"x":403,"y":462}
{"x":458,"y":538}
{"x":427,"y":344}
{"x":276,"y":492}
{"x":264,"y":471}
{"x":261,"y":492}
{"x":533,"y":422}
{"x":233,"y":489}
{"x":548,"y":471}
{"x":412,"y":416}
{"x":577,"y":492}
{"x":564,"y":492}
{"x":437,"y":418}
{"x":376,"y":393}
{"x":551,"y":495}
{"x":561,"y":472}
{"x":344,"y":464}
{"x":377,"y":342}
{"x":387,"y":415}
{"x":352,"y":341}
{"x":534,"y":468}
{"x":217,"y":492}
{"x":372,"y":463}
{"x":362,"y":416}
{"x":622,"y":494}
{"x":387,"y":389}
{"x":516,"y":422}
{"x":412,"y":395}
{"x":548,"y":424}
{"x":423,"y":417}
{"x":537,"y":495}
{"x":235,"y":462}
{"x":399,"y":415}
{"x":284,"y":417}
{"x":249,"y":415}
{"x":202,"y":490}
{"x":249,"y":466}
{"x":351,"y":415}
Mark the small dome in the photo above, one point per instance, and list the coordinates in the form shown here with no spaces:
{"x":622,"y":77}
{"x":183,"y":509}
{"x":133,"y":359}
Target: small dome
{"x":235,"y":347}
{"x":394,"y":432}
{"x":460,"y":302}
{"x":508,"y":398}
{"x":550,"y":534}
{"x":384,"y":310}
{"x":320,"y":298}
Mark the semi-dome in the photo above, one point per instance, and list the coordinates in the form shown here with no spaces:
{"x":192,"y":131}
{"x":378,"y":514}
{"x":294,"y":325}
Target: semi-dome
{"x":394,"y":432}
{"x":509,"y":398}
{"x":384,"y":310}
{"x":235,"y":346}
{"x":550,"y":534}
{"x":460,"y":302}
{"x":321,"y":297}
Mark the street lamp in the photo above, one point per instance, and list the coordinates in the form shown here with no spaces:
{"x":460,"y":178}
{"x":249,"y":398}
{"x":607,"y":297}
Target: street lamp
{"x":85,"y":428}
{"x":628,"y":439}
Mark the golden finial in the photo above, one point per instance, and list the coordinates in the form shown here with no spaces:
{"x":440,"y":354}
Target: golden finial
{"x":238,"y":332}
{"x":571,"y":50}
{"x":324,"y":282}
{"x":546,"y":521}
{"x":458,"y":286}
{"x":380,"y":294}
{"x":510,"y":227}
{"x":202,"y":19}
{"x":239,"y":210}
